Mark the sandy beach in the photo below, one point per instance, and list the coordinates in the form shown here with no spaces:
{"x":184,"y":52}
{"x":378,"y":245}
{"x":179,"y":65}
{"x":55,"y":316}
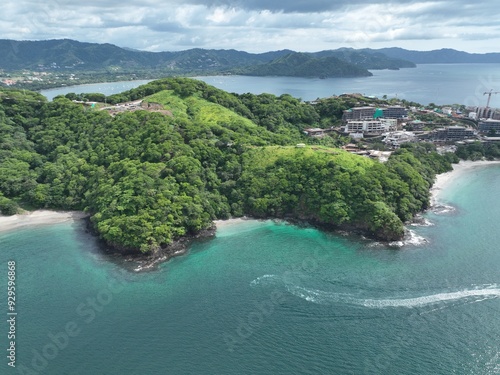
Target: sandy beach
{"x":39,"y":217}
{"x":230,"y":222}
{"x":444,"y":180}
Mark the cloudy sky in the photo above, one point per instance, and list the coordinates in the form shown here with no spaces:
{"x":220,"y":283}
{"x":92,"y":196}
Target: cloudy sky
{"x":258,"y":25}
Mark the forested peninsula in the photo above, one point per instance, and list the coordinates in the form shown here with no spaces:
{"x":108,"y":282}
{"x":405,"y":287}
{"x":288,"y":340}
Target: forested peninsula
{"x":192,"y":154}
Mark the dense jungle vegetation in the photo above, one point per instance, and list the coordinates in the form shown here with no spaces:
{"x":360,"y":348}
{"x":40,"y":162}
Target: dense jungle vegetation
{"x":147,"y":178}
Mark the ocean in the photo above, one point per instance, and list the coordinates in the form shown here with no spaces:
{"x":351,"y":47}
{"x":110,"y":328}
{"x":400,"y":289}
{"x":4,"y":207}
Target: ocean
{"x":267,"y":297}
{"x":437,"y":83}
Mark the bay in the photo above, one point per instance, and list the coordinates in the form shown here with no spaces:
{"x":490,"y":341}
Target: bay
{"x":266,"y":297}
{"x":429,"y":83}
{"x":106,"y":88}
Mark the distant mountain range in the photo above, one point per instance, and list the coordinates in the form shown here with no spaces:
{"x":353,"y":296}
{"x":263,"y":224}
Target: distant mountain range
{"x":71,"y":54}
{"x":441,"y":56}
{"x":66,"y":54}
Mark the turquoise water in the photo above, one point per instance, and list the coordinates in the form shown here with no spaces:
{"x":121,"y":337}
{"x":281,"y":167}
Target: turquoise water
{"x":437,"y":83}
{"x":265,"y":297}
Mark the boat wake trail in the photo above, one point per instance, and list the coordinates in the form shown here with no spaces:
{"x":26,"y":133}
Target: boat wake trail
{"x":325,"y":297}
{"x":328,"y":298}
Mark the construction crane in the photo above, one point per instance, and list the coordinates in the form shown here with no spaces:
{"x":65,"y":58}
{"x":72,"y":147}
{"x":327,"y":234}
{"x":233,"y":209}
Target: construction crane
{"x":489,"y":96}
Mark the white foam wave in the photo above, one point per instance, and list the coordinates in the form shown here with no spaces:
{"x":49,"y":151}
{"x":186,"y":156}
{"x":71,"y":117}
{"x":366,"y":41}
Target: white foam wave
{"x":422,"y":222}
{"x":324,"y":297}
{"x":264,"y":279}
{"x":440,"y":208}
{"x":411,"y":238}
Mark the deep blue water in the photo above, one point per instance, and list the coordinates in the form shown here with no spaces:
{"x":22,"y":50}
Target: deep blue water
{"x":266,"y":297}
{"x":437,"y":83}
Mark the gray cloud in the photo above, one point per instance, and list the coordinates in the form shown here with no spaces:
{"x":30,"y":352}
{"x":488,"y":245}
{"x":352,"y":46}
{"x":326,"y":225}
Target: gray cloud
{"x":291,"y":6}
{"x":258,"y":25}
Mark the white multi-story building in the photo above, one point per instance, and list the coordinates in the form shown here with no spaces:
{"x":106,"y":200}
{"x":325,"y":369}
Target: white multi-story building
{"x":365,"y":126}
{"x":370,"y":126}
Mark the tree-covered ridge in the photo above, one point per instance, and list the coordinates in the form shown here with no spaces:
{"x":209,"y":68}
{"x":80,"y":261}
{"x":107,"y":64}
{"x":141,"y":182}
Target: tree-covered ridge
{"x":477,"y":151}
{"x":148,"y":178}
{"x":306,"y":65}
{"x":368,"y":59}
{"x":333,"y":187}
{"x":66,"y":54}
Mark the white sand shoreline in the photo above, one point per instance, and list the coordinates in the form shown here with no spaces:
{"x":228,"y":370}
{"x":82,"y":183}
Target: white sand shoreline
{"x":38,"y":217}
{"x":444,"y":180}
{"x":230,"y":222}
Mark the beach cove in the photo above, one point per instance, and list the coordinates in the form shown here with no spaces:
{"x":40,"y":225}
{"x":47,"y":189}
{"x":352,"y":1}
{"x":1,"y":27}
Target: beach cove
{"x":444,"y":180}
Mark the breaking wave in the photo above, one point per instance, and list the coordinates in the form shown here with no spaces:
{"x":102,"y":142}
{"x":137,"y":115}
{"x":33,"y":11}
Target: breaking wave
{"x":420,"y":221}
{"x":411,"y":238}
{"x":440,"y":208}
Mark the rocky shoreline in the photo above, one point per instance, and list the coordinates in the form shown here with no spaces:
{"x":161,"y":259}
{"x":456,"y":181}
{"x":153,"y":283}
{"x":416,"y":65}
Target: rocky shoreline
{"x":148,"y":261}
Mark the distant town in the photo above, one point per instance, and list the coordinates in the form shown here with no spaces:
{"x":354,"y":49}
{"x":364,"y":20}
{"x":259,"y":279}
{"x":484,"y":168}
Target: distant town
{"x":53,"y":75}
